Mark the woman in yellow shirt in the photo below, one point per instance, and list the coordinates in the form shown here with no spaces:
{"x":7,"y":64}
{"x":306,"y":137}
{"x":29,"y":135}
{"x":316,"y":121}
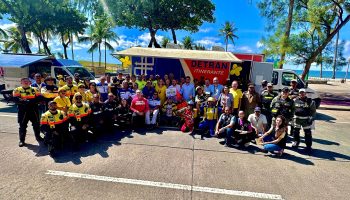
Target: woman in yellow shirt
{"x":161,"y":90}
{"x":91,"y":91}
{"x":63,"y":102}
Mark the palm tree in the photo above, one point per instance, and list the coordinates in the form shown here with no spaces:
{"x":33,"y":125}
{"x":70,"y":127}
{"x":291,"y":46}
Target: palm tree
{"x":187,"y":42}
{"x":164,"y":42}
{"x":13,"y":42}
{"x":228,"y":31}
{"x":101,"y":33}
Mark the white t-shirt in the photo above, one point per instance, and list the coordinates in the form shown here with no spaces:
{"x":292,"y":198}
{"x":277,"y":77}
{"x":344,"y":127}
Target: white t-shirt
{"x":257,"y":122}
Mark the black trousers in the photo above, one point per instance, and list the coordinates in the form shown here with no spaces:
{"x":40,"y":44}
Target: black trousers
{"x":26,"y":115}
{"x":308,"y":136}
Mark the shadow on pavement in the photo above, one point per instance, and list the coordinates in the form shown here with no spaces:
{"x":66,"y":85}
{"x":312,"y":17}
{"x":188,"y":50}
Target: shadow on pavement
{"x":9,"y":109}
{"x":325,"y":142}
{"x":300,"y":160}
{"x":323,"y":117}
{"x":329,"y":155}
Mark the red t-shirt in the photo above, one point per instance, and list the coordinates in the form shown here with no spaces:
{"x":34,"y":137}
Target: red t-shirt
{"x":139,"y":104}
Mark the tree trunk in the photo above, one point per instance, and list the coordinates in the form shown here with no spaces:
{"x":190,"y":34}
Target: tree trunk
{"x":287,"y":33}
{"x":321,"y":71}
{"x":92,"y":57}
{"x":24,"y":40}
{"x":72,"y":46}
{"x":47,"y":50}
{"x":226,"y":41}
{"x":39,"y":44}
{"x":174,"y":36}
{"x":99,"y":56}
{"x":105,"y":55}
{"x":322,"y":46}
{"x":153,"y":39}
{"x":65,"y":46}
{"x":335,"y":55}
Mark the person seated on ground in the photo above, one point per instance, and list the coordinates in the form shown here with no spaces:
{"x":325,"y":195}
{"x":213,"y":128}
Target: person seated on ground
{"x":81,"y":90}
{"x":148,"y":90}
{"x":123,"y":114}
{"x":168,"y":112}
{"x":62,"y":101}
{"x":125,"y":92}
{"x":188,"y":115}
{"x":110,"y":106}
{"x":258,"y":122}
{"x":102,"y":88}
{"x":79,"y":118}
{"x":50,"y":90}
{"x":61,"y":81}
{"x":274,"y":140}
{"x":97,"y":120}
{"x":243,"y":132}
{"x":140,"y":108}
{"x":200,"y":100}
{"x":70,"y":88}
{"x":209,"y":118}
{"x":224,"y":126}
{"x":154,"y":105}
{"x":54,"y":125}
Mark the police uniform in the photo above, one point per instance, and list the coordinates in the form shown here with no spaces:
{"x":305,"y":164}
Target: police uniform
{"x":266,"y":99}
{"x":70,"y":90}
{"x":27,"y":103}
{"x":110,"y":112}
{"x":97,"y":117}
{"x":49,"y":92}
{"x":53,"y":125}
{"x":293,"y":93}
{"x":280,"y":106}
{"x":305,"y":110}
{"x":78,"y":117}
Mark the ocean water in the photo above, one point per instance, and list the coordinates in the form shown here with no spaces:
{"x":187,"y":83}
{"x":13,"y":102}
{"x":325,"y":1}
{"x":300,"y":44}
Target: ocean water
{"x":325,"y":74}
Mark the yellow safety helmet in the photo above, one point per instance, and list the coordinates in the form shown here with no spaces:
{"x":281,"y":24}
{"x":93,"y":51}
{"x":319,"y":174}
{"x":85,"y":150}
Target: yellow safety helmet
{"x":211,"y":99}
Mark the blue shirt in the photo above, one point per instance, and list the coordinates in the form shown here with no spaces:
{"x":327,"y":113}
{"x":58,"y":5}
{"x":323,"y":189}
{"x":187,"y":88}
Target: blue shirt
{"x":103,"y":90}
{"x":187,"y":91}
{"x":215,"y":91}
{"x":148,"y":93}
{"x":125,"y":93}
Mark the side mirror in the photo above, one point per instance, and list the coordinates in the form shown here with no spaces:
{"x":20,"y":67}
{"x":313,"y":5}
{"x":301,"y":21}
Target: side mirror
{"x":306,"y":84}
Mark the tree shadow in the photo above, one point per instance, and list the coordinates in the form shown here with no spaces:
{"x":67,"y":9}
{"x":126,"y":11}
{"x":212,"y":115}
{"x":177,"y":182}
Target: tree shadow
{"x":324,"y":117}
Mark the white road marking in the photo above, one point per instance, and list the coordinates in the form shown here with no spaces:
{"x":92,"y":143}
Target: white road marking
{"x":8,"y":116}
{"x":166,"y":185}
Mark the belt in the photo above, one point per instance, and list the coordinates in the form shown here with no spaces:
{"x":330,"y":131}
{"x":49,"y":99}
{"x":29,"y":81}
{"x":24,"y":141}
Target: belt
{"x":98,"y":112}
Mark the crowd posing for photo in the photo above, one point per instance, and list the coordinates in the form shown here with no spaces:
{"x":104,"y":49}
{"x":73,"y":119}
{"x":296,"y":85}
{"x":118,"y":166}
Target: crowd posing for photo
{"x":75,"y":110}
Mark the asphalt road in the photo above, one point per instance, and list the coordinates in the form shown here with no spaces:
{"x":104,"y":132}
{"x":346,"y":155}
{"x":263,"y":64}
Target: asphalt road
{"x":168,"y":164}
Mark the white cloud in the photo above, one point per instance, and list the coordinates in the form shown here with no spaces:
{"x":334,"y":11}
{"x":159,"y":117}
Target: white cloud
{"x":347,"y":46}
{"x":243,"y":49}
{"x":259,"y":45}
{"x":205,"y":30}
{"x":6,"y":26}
{"x":146,"y":37}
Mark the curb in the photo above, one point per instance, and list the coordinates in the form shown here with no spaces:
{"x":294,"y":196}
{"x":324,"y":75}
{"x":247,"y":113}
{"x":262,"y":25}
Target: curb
{"x":339,"y":108}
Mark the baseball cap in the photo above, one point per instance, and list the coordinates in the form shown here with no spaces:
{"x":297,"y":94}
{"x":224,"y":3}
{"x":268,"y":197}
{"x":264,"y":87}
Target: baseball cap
{"x":285,"y":89}
{"x":257,"y":109}
{"x":263,"y":81}
{"x":302,"y":90}
{"x":293,"y":80}
{"x":269,"y":85}
{"x":211,"y":99}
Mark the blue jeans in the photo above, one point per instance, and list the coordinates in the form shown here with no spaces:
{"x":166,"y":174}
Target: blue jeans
{"x":271,"y":147}
{"x":229,"y":134}
{"x":208,"y":124}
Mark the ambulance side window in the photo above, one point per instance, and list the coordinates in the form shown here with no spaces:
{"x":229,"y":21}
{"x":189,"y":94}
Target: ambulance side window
{"x":274,"y":78}
{"x":60,"y":71}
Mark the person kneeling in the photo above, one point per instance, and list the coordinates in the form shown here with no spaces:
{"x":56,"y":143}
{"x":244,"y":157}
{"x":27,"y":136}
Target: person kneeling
{"x":274,"y":140}
{"x":225,"y":125}
{"x":243,"y":131}
{"x":188,"y":115}
{"x":209,"y":119}
{"x":79,"y":114}
{"x":54,"y":125}
{"x":140,"y":108}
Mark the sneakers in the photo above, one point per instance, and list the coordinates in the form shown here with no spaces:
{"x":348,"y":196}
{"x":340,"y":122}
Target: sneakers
{"x":21,"y":144}
{"x":308,"y":150}
{"x":295,"y":144}
{"x":235,"y":145}
{"x":247,"y":144}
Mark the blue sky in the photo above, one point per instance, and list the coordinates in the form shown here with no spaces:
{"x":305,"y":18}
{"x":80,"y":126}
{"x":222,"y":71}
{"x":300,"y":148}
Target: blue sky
{"x":245,"y":16}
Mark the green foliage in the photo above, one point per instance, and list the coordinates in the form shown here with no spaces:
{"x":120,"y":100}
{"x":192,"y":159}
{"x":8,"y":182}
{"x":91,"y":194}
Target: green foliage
{"x":228,"y":31}
{"x":13,"y":42}
{"x":199,"y":47}
{"x":187,"y":42}
{"x":164,"y":42}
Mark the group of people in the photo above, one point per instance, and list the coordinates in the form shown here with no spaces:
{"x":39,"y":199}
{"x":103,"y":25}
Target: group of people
{"x":78,"y":110}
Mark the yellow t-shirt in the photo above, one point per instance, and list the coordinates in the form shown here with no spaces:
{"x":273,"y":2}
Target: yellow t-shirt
{"x":161,"y":93}
{"x":62,"y":102}
{"x":237,"y":97}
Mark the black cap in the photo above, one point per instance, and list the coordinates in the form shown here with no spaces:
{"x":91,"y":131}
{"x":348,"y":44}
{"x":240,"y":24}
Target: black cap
{"x":285,"y":89}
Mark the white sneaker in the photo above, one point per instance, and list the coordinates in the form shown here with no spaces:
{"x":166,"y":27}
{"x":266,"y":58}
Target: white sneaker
{"x":247,"y":144}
